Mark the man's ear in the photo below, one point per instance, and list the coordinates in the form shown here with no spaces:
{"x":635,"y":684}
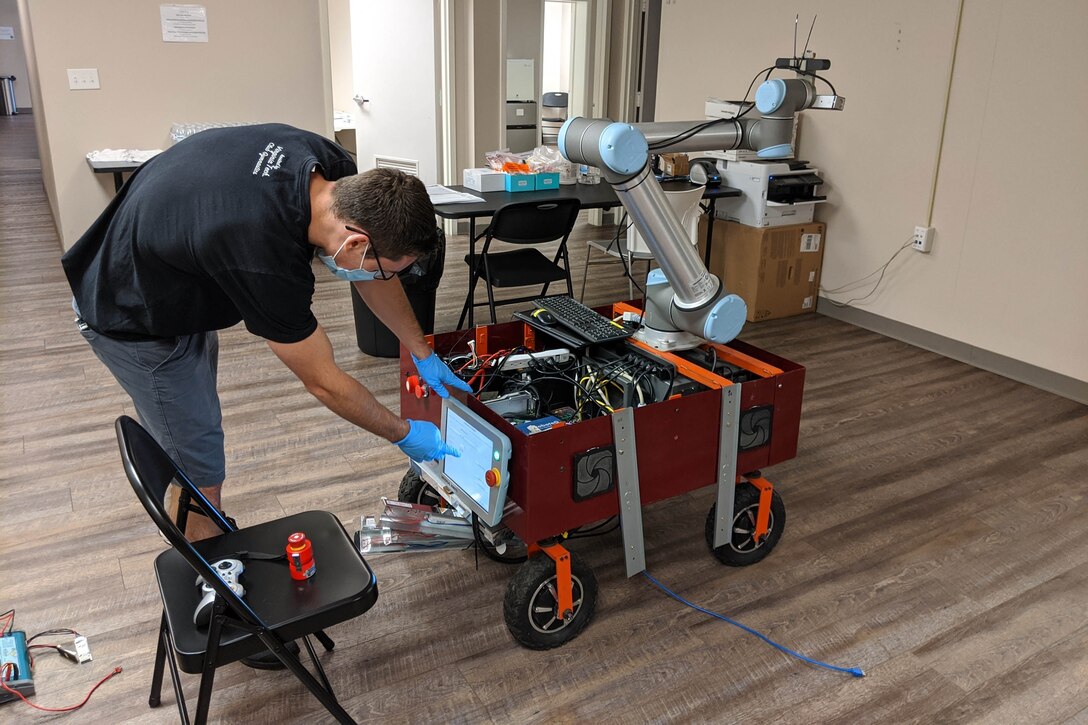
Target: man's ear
{"x":356,"y":240}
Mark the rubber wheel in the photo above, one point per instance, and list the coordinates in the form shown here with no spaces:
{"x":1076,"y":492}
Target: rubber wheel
{"x":531,"y":603}
{"x":744,"y":550}
{"x":414,"y":489}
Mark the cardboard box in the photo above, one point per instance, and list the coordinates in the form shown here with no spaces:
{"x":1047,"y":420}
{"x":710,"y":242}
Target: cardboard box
{"x":547,"y":180}
{"x":484,"y":179}
{"x":520,"y":182}
{"x":775,"y":270}
{"x":674,"y":164}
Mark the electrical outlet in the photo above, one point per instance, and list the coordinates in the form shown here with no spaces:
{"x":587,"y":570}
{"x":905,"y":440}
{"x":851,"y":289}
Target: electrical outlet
{"x":83,"y":79}
{"x":923,"y":239}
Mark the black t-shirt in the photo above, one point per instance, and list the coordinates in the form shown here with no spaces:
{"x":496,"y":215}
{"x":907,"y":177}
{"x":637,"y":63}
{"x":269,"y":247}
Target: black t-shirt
{"x":210,"y":232}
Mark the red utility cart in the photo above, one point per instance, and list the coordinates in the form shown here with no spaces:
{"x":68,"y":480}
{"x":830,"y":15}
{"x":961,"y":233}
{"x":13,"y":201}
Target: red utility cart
{"x":658,"y":450}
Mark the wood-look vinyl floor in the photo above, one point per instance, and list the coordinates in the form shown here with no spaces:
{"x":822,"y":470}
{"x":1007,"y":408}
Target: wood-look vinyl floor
{"x":937,"y":537}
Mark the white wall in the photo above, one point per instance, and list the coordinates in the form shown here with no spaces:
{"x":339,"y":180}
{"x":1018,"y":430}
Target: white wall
{"x":267,"y":60}
{"x":12,"y":57}
{"x":1010,"y":259}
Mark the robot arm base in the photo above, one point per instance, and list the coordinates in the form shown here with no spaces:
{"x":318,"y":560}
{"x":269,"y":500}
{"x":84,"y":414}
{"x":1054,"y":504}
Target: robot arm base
{"x":670,"y":327}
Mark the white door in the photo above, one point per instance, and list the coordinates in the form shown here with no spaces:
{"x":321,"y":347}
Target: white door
{"x":394,"y":55}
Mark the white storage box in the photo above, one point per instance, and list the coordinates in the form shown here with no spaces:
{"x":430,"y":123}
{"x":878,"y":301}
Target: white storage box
{"x":484,"y":180}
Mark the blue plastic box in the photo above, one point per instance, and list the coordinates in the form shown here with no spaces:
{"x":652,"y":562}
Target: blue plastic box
{"x":521,"y":182}
{"x":547,"y":180}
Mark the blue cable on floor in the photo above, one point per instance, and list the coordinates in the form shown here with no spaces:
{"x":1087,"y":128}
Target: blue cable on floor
{"x":855,"y":671}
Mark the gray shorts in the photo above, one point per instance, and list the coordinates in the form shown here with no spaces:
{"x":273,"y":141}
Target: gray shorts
{"x":172,"y":385}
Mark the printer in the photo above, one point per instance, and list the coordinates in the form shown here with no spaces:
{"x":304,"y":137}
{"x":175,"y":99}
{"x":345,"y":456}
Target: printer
{"x":773,"y":192}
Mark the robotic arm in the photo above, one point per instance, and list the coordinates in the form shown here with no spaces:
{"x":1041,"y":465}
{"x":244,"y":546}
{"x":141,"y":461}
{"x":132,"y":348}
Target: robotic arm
{"x":684,"y":302}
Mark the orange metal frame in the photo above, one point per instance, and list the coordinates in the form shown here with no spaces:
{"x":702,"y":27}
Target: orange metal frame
{"x":694,"y":372}
{"x":763,"y":513}
{"x":564,"y":585}
{"x":481,"y":340}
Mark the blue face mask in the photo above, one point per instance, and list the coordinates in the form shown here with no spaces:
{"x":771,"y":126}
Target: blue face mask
{"x":349,"y":275}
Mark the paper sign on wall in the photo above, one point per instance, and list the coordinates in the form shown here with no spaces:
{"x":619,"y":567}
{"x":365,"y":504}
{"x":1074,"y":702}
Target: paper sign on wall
{"x":7,"y":33}
{"x":184,"y":23}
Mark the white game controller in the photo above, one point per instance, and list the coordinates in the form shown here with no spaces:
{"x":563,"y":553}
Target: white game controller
{"x":230,"y":571}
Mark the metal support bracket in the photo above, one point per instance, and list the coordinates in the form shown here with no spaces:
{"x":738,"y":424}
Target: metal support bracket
{"x":623,"y":434}
{"x":763,"y":512}
{"x":563,"y":584}
{"x":728,"y":440}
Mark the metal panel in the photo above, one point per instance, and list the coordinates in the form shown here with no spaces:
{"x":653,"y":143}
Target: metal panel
{"x":634,"y":550}
{"x":520,"y":114}
{"x":729,"y":433}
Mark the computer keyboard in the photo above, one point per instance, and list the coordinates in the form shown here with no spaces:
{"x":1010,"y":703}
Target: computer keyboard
{"x":581,"y":320}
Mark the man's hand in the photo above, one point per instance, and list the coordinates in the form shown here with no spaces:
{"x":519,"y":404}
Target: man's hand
{"x":424,"y":442}
{"x":437,"y":375}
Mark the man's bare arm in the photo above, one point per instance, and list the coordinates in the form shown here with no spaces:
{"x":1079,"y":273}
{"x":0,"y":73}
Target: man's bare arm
{"x":311,"y":360}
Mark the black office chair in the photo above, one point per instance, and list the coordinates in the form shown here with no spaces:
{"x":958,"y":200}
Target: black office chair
{"x":532,"y":222}
{"x":275,"y":610}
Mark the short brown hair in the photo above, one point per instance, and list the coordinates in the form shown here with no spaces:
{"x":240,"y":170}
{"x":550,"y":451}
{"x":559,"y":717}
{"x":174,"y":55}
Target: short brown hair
{"x":392,"y":207}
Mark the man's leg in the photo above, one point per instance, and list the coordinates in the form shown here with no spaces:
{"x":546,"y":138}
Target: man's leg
{"x":172,"y":385}
{"x":196,"y":527}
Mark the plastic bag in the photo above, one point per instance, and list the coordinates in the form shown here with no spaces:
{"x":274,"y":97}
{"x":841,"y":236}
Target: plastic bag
{"x":544,"y":159}
{"x":505,"y":161}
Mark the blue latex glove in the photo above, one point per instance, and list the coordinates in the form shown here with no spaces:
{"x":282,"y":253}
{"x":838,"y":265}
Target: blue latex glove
{"x":437,"y":376}
{"x":424,"y":442}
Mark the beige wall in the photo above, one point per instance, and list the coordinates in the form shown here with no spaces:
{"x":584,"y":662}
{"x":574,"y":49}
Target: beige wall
{"x":1010,"y":260}
{"x":267,"y":60}
{"x":489,"y":75}
{"x":341,"y":58}
{"x":463,"y":69}
{"x":525,"y":37}
{"x":12,"y":57}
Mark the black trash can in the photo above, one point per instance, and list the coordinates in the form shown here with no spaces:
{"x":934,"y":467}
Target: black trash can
{"x":420,"y":282}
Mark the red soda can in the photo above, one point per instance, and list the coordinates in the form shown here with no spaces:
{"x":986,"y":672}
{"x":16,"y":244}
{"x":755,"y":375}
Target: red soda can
{"x":300,"y":556}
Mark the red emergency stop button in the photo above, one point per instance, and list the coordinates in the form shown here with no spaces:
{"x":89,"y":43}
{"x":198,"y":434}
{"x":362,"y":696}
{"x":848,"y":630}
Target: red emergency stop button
{"x":415,"y":386}
{"x":492,"y":477}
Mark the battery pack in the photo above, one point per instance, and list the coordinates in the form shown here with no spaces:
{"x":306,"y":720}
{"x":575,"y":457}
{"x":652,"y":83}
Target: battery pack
{"x":15,"y":666}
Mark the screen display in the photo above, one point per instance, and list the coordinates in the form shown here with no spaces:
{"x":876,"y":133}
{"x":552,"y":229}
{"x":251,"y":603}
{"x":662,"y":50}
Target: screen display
{"x":477,"y":456}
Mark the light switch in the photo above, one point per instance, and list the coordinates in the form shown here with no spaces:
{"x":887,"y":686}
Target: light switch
{"x":83,"y":79}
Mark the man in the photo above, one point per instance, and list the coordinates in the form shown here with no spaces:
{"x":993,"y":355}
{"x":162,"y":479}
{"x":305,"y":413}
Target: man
{"x":222,"y":228}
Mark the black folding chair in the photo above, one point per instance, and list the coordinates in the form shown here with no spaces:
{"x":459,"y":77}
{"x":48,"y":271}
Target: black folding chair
{"x":275,"y":610}
{"x":526,"y":223}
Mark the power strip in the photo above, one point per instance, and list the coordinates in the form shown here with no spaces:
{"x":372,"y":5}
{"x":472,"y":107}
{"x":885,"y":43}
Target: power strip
{"x":523,"y":360}
{"x":13,"y":651}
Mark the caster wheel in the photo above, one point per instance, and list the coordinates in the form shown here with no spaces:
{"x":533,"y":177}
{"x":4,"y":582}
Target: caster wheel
{"x":531,"y":604}
{"x":414,"y":489}
{"x":744,"y":550}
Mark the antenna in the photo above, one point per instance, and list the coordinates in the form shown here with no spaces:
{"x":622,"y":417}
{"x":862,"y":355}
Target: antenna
{"x":802,"y":64}
{"x":805,"y":51}
{"x":795,"y":19}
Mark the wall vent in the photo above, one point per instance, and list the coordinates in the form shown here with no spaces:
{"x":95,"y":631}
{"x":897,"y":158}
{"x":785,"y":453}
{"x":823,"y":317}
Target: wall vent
{"x":408,"y":166}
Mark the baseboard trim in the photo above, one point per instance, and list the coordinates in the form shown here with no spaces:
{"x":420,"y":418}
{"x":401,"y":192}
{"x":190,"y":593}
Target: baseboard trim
{"x":1048,"y":380}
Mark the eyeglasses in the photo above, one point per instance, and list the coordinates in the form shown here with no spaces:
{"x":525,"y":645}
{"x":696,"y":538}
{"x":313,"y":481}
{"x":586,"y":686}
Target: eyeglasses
{"x":382,"y":274}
